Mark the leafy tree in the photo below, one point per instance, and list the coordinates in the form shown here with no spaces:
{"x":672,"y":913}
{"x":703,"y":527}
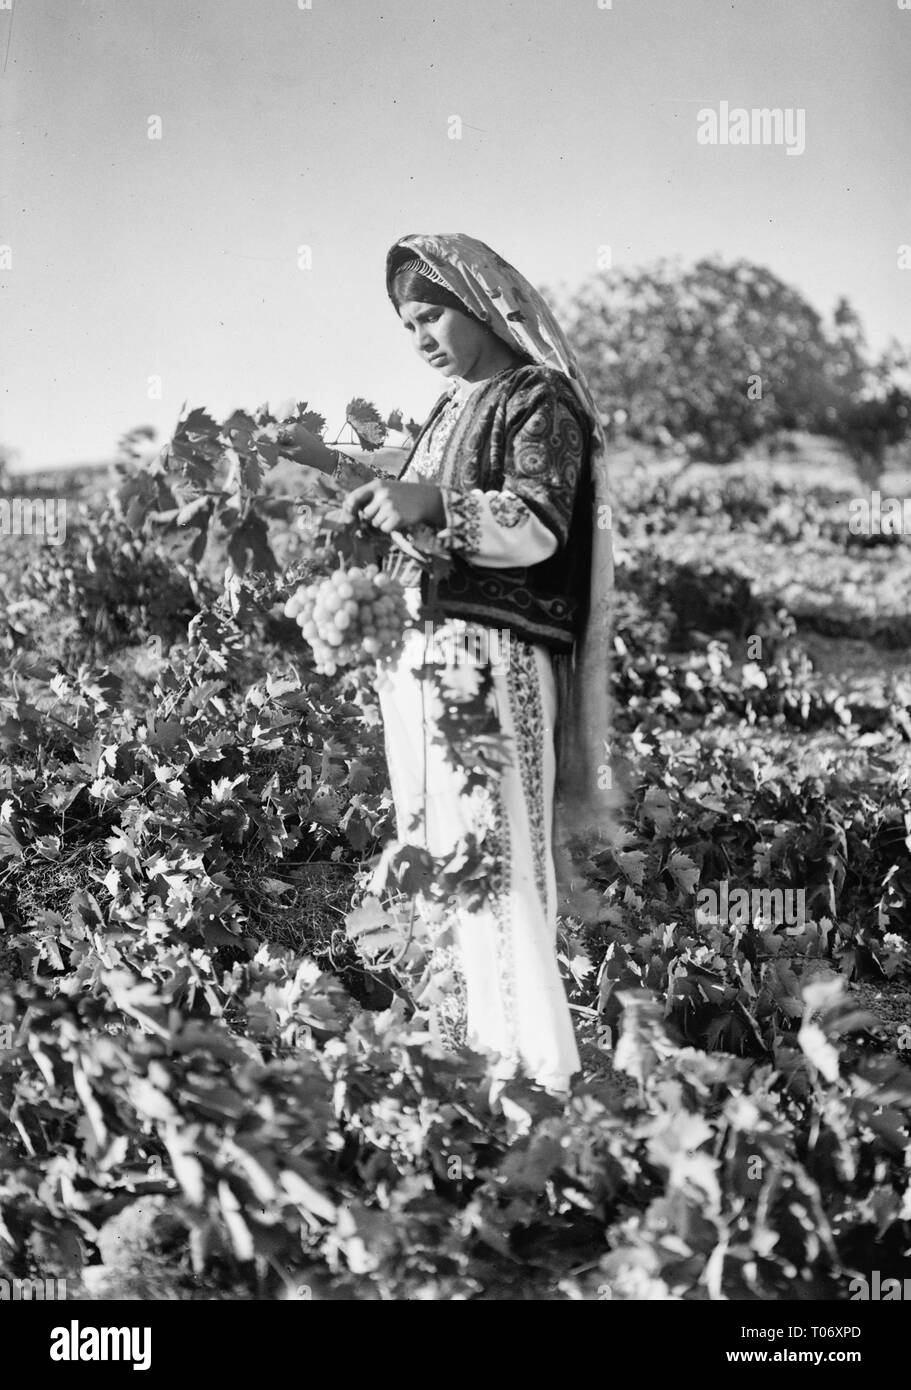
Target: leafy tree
{"x":711,"y":358}
{"x":873,"y":411}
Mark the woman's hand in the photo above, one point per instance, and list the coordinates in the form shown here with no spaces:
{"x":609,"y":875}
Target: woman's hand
{"x":392,"y":506}
{"x":308,"y":449}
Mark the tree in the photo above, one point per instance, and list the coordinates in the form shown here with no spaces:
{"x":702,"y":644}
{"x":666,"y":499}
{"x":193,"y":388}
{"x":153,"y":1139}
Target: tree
{"x":868,"y":427}
{"x":872,"y":411}
{"x":711,"y":358}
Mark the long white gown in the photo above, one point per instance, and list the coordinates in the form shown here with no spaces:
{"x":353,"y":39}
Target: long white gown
{"x":508,"y":998}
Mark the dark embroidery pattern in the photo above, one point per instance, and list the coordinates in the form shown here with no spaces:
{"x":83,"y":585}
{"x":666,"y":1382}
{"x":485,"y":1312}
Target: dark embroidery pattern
{"x":528,"y":721}
{"x":464,"y":530}
{"x":508,"y":510}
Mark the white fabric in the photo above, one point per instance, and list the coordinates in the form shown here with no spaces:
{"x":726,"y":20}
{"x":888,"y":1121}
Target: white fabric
{"x":515,"y":1002}
{"x":504,"y":532}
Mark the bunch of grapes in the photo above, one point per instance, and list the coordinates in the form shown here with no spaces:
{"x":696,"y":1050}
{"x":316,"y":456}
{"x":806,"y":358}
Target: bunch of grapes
{"x":351,"y":613}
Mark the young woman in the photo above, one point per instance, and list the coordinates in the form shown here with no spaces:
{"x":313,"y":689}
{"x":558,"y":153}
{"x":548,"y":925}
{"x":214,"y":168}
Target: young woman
{"x":509,"y":467}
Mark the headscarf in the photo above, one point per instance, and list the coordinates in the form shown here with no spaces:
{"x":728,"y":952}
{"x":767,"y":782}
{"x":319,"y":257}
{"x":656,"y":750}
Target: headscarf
{"x":415,"y":279}
{"x":494,"y":292}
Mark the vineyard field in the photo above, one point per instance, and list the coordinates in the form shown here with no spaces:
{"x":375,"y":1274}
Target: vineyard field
{"x":218,"y":1062}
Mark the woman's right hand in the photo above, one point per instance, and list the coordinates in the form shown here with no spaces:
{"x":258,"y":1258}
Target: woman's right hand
{"x":306,"y":448}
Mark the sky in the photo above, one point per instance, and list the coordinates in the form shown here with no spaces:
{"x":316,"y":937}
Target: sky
{"x":178,"y":259}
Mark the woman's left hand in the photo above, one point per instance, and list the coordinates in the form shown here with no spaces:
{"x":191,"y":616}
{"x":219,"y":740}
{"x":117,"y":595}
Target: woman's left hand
{"x":393,"y":506}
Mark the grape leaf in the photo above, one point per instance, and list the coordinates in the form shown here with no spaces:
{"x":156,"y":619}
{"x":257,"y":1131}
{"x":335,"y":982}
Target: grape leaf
{"x":684,"y":872}
{"x":249,"y":548}
{"x":310,"y":419}
{"x":367,"y":423}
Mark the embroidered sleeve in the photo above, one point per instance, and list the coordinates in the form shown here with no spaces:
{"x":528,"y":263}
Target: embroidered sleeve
{"x":495,"y":529}
{"x":462,"y":531}
{"x":528,"y":519}
{"x":545,"y":451}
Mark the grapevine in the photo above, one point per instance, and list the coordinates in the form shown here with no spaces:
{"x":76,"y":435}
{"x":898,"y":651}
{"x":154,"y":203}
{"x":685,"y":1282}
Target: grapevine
{"x":212,"y":1090}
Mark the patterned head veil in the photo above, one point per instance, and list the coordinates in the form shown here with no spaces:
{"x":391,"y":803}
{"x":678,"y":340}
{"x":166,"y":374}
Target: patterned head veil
{"x":492,"y":290}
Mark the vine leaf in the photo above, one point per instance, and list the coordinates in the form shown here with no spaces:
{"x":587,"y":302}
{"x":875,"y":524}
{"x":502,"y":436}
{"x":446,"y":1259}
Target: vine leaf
{"x":248,"y":546}
{"x":684,"y":872}
{"x":367,"y":423}
{"x":310,"y":419}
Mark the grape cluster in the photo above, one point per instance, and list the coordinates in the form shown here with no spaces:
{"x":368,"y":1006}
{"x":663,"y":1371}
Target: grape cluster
{"x":351,"y":613}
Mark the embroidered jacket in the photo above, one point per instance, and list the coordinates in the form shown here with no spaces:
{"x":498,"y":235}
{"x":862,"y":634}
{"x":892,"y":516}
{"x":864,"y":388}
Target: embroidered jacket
{"x":511,"y":461}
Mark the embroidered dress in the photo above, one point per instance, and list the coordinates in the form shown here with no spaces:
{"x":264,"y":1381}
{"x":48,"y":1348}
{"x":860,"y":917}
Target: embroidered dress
{"x":520,"y":461}
{"x":507,"y":997}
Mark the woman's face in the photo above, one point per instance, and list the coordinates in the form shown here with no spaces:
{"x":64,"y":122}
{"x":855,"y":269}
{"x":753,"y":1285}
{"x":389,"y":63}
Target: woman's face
{"x":451,"y":342}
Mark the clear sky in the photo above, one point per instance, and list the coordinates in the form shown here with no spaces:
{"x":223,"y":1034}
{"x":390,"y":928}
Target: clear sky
{"x":329,"y":128}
